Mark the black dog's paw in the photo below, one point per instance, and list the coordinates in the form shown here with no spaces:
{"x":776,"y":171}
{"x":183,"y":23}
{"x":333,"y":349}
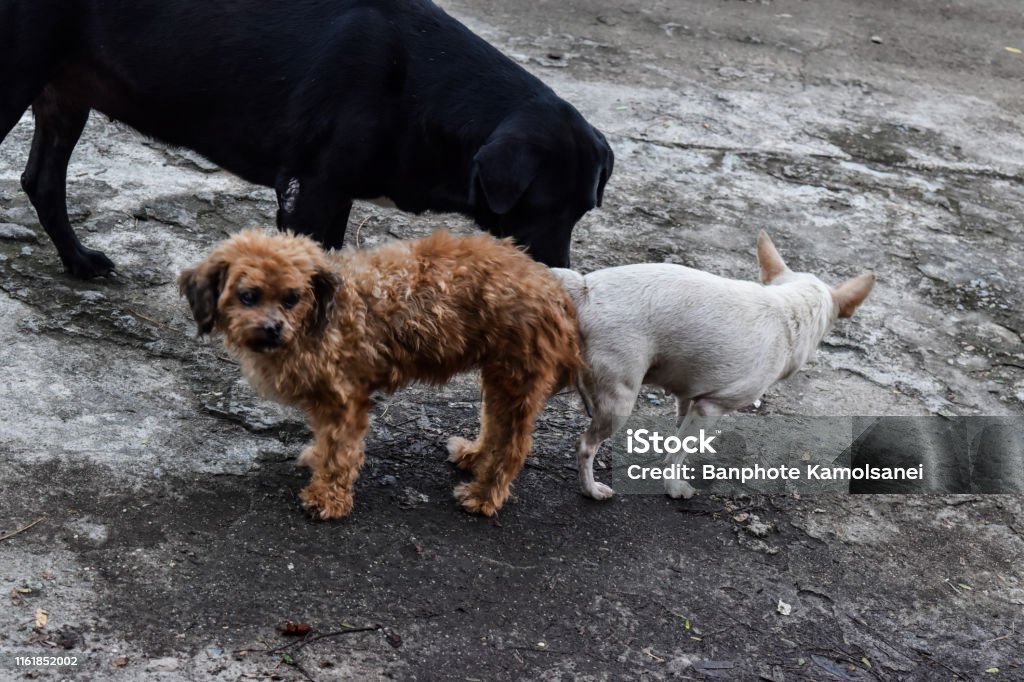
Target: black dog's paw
{"x":87,"y":264}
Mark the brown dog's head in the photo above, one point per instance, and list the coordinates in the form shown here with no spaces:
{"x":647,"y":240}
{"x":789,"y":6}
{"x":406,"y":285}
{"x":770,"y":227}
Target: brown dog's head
{"x":262,"y":291}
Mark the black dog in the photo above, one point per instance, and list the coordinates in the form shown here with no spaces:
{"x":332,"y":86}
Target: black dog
{"x":325,"y":100}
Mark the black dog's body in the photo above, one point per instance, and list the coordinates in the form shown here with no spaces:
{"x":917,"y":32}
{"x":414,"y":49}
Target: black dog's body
{"x":324,"y":100}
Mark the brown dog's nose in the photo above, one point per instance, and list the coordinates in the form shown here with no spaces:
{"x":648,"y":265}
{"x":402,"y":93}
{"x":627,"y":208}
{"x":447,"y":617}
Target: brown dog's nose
{"x":272,"y":330}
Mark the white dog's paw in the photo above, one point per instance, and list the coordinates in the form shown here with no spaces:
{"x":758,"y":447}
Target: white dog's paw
{"x":599,"y":491}
{"x":679,"y":489}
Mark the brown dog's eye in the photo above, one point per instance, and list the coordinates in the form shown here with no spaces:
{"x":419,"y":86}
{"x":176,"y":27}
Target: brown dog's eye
{"x":249,"y":296}
{"x":291,"y":299}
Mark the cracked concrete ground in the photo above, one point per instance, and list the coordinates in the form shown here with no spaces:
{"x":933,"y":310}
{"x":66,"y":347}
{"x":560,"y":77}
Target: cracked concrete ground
{"x":869,"y":135}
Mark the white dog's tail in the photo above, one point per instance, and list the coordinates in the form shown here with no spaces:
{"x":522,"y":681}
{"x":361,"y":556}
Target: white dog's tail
{"x":573,"y":282}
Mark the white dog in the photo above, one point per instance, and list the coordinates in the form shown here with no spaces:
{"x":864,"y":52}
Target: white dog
{"x":716,"y":344}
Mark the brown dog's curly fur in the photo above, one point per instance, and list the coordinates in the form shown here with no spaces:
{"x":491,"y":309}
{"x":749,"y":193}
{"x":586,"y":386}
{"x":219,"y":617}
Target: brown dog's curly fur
{"x":323,"y":331}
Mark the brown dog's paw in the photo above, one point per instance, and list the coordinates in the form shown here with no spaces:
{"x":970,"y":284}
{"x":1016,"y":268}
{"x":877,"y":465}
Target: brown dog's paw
{"x":462,"y":452}
{"x":306,"y":457}
{"x":324,"y":502}
{"x":475,"y":499}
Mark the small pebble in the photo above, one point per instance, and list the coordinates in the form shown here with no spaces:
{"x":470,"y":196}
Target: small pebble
{"x":163,"y":665}
{"x":18,"y":233}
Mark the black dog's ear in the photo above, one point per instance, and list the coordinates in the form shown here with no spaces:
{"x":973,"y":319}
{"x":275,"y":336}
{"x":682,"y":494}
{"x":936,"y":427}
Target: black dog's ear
{"x":325,"y":287}
{"x":202,"y":286}
{"x":607,"y":165}
{"x":602,"y":180}
{"x":504,"y":168}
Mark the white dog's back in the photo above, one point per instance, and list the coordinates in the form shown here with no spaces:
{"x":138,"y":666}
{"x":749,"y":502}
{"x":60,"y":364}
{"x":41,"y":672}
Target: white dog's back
{"x":695,"y":333}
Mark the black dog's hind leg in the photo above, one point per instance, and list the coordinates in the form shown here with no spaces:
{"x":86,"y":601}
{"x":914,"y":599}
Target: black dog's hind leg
{"x":311,"y":206}
{"x":10,"y":112}
{"x":58,"y":127}
{"x":27,"y":56}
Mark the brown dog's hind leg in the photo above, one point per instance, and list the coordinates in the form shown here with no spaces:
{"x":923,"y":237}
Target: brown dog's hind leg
{"x":335,"y":458}
{"x":505,"y":438}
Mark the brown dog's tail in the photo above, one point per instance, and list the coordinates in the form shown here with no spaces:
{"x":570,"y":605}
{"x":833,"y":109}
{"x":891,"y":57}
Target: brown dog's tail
{"x":568,"y":328}
{"x":574,"y":374}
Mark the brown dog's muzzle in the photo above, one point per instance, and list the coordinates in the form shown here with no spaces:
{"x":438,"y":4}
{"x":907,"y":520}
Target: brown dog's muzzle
{"x":268,"y":337}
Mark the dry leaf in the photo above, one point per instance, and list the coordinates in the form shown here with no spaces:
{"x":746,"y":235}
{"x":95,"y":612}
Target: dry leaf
{"x":295,"y":629}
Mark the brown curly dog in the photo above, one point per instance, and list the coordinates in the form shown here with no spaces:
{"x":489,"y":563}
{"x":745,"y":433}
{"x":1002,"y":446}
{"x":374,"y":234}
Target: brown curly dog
{"x":322,"y":331}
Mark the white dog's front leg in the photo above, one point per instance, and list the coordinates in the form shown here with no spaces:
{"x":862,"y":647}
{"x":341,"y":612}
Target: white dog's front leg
{"x":587,"y":450}
{"x":601,"y":426}
{"x":709,"y":412}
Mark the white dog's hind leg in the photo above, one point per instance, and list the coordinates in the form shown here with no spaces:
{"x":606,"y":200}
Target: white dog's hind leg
{"x":606,"y":409}
{"x":677,"y":488}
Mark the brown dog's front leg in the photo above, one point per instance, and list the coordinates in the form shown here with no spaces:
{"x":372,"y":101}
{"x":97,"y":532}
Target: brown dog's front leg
{"x":335,"y":457}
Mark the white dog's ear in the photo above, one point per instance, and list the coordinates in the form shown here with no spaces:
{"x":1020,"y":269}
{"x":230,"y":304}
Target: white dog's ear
{"x":769,"y":259}
{"x":852,"y":293}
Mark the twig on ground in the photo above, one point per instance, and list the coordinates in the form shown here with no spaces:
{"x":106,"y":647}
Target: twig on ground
{"x":295,"y":664}
{"x":957,"y":673}
{"x":303,"y":643}
{"x":149,"y":319}
{"x":21,"y":530}
{"x":1008,"y":635}
{"x":306,"y":641}
{"x":359,"y":232}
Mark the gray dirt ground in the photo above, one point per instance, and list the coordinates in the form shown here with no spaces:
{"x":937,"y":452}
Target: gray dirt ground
{"x":171,"y":535}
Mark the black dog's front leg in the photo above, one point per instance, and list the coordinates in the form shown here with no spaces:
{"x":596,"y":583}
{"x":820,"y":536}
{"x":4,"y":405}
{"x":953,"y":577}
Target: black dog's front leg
{"x":59,"y":124}
{"x":311,"y":206}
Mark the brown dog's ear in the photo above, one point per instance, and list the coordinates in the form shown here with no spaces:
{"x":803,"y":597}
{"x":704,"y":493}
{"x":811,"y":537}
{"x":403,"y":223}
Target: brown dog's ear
{"x":852,"y":293}
{"x":325,"y":285}
{"x":202,"y":286}
{"x":769,"y":259}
